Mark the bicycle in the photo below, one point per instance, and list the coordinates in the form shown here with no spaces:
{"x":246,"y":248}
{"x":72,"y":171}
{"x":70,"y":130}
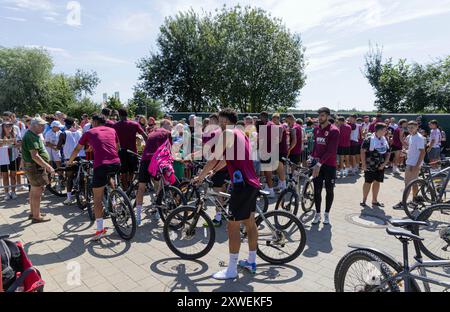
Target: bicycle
{"x":376,"y":271}
{"x":183,"y":229}
{"x":299,"y":189}
{"x":431,"y":189}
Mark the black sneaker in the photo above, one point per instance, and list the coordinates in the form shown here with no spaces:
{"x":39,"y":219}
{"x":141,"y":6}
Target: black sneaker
{"x":399,"y":206}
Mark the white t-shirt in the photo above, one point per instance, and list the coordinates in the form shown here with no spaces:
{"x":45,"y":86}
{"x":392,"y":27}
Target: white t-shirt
{"x":416,"y":143}
{"x":72,"y":139}
{"x":436,"y":136}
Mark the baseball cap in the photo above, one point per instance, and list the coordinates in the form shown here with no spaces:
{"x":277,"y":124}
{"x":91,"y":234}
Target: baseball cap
{"x":55,"y":124}
{"x":38,"y":121}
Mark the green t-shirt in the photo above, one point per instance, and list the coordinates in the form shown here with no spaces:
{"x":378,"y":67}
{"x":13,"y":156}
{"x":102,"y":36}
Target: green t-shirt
{"x":310,"y":135}
{"x":32,"y":141}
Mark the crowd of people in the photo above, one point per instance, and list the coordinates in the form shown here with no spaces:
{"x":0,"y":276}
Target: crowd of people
{"x":334,"y":147}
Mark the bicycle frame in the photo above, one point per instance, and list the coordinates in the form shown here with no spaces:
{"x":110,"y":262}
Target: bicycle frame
{"x":429,"y":179}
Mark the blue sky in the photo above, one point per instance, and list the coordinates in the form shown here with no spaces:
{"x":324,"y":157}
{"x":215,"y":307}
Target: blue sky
{"x":110,"y":36}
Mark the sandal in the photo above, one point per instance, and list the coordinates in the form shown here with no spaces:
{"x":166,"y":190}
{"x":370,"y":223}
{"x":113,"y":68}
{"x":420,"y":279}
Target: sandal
{"x":30,"y":216}
{"x":363,"y":204}
{"x":40,"y":220}
{"x":378,"y":204}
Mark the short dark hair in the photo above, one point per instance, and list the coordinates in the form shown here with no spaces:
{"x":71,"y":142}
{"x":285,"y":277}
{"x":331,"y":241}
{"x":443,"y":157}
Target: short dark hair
{"x":106,"y":111}
{"x":299,"y":121}
{"x":7,"y":114}
{"x":325,"y":110}
{"x":331,"y":120}
{"x":309,"y":123}
{"x":240,"y":123}
{"x":434,"y":122}
{"x":379,"y":126}
{"x":229,"y":114}
{"x":69,"y":122}
{"x":264,"y":114}
{"x":402,"y":121}
{"x":341,"y":119}
{"x":354,"y":116}
{"x":215,"y":115}
{"x":379,"y":116}
{"x":290,"y":116}
{"x":99,"y":118}
{"x":123,"y":112}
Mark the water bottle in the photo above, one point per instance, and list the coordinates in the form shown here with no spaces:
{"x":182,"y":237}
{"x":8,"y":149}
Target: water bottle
{"x":238,"y":180}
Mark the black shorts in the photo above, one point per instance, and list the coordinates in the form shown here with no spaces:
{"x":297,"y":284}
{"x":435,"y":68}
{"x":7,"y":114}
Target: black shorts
{"x":102,"y":173}
{"x":296,"y":159}
{"x":13,"y":166}
{"x":372,"y":176}
{"x":343,"y":151}
{"x":128,"y":162}
{"x":243,"y":202}
{"x":327,"y":175}
{"x":144,"y":175}
{"x":355,"y":149}
{"x":218,"y":179}
{"x":395,"y":149}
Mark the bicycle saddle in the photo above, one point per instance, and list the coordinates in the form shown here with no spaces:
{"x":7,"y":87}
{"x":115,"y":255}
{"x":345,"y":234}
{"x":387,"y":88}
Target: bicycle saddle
{"x":400,"y":233}
{"x":406,"y":222}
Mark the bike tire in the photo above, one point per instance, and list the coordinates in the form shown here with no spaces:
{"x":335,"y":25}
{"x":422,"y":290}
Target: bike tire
{"x":425,"y":216}
{"x":264,"y":202}
{"x":190,"y":192}
{"x":307,"y":201}
{"x":190,"y":211}
{"x":80,"y":195}
{"x":54,"y":191}
{"x":127,"y":210}
{"x":292,"y":205}
{"x":357,"y":255}
{"x":176,"y":199}
{"x":425,"y":191}
{"x":292,"y":220}
{"x":89,"y":200}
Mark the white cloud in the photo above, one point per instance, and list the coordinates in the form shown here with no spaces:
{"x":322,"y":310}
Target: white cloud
{"x":34,"y":5}
{"x":16,"y":19}
{"x":134,"y":26}
{"x":322,"y":62}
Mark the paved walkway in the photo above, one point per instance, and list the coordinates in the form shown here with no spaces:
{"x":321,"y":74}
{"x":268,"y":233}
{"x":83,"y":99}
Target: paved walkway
{"x":57,"y":248}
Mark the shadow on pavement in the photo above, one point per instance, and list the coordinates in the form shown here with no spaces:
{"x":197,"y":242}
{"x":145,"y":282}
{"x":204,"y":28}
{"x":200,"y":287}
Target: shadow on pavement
{"x":318,"y":240}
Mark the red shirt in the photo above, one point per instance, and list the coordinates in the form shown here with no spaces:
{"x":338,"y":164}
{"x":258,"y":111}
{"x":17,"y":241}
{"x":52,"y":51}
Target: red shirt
{"x":325,"y":144}
{"x":373,"y":124}
{"x":155,"y":139}
{"x":396,"y":138}
{"x":344,"y":139}
{"x":298,"y":134}
{"x":110,"y":123}
{"x":104,"y":141}
{"x":126,"y":131}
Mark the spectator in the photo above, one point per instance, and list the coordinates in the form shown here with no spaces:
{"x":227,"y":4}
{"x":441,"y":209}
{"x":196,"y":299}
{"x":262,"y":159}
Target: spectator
{"x":378,"y":119}
{"x":355,"y":145}
{"x":36,"y":165}
{"x":345,"y":131}
{"x":398,"y":139}
{"x":375,"y":155}
{"x":51,"y":142}
{"x":434,"y":147}
{"x":9,"y":143}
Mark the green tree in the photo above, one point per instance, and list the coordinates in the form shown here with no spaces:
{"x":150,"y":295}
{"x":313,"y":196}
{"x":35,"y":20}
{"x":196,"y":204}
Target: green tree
{"x":141,"y":104}
{"x":83,"y":106}
{"x":24,"y":74}
{"x":59,"y":93}
{"x":84,"y":83}
{"x":239,"y":57}
{"x":114,"y":103}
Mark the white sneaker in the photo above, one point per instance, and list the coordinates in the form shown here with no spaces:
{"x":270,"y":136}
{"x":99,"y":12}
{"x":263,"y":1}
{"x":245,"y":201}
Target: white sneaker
{"x":156,"y":216}
{"x":345,"y":172}
{"x":226,"y":274}
{"x":317,"y":218}
{"x":7,"y":197}
{"x":395,"y":171}
{"x":13,"y":196}
{"x":326,"y":219}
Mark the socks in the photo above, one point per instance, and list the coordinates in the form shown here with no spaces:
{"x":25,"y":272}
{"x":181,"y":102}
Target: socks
{"x":218,"y":216}
{"x":138,"y":214}
{"x":232,"y":265}
{"x":99,"y":224}
{"x":252,"y":256}
{"x":69,"y":195}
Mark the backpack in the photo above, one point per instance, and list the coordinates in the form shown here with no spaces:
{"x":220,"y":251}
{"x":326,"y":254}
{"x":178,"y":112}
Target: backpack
{"x":162,"y":163}
{"x":10,"y":262}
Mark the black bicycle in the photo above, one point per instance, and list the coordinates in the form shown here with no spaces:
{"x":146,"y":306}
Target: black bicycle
{"x":190,"y":233}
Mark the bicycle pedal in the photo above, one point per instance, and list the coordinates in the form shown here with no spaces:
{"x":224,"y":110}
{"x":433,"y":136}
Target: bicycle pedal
{"x":222,"y":264}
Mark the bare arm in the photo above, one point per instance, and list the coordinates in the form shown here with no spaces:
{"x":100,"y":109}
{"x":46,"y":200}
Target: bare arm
{"x":41,"y":162}
{"x":74,"y":154}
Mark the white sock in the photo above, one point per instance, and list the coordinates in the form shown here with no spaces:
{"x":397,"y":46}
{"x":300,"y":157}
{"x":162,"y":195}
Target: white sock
{"x":283,"y":184}
{"x":232,"y":265}
{"x":327,"y":214}
{"x":251,"y":256}
{"x":138,"y":210}
{"x":69,"y":195}
{"x":218,"y":216}
{"x":99,"y":222}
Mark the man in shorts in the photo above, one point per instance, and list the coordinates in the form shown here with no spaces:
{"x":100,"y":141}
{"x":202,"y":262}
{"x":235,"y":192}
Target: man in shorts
{"x":243,"y":196}
{"x":127,"y":131}
{"x":414,"y":159}
{"x":105,"y":145}
{"x":155,"y":139}
{"x":355,"y":146}
{"x":37,"y":167}
{"x":434,"y":147}
{"x":375,"y":156}
{"x":295,"y":142}
{"x":398,"y":139}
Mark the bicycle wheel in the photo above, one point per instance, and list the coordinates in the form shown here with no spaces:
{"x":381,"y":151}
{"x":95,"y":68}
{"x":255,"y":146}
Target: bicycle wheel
{"x":425,"y":197}
{"x":191,"y":193}
{"x":308,"y":197}
{"x":168,"y":200}
{"x":89,"y":195}
{"x":122,"y":214}
{"x":57,"y":185}
{"x":262,"y":201}
{"x":436,"y":243}
{"x":281,"y":237}
{"x":185,"y":234}
{"x":80,"y":194}
{"x":288,"y":201}
{"x":363,"y":271}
